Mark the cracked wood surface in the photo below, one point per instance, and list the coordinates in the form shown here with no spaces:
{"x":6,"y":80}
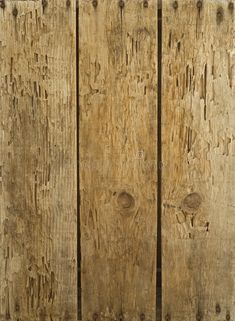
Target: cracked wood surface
{"x":198,"y":144}
{"x":118,"y":138}
{"x":37,"y":161}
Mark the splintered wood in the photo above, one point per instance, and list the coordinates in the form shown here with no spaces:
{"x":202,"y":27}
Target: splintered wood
{"x":117,"y":144}
{"x":38,"y":161}
{"x":198,"y":146}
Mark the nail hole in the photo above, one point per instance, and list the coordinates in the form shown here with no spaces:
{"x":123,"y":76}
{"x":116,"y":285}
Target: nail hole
{"x":231,"y":6}
{"x":167,"y":317}
{"x":146,"y":4}
{"x":95,"y":3}
{"x":15,"y":12}
{"x":142,"y":317}
{"x":219,"y":15}
{"x":199,"y":4}
{"x":95,"y":316}
{"x":2,"y":4}
{"x":44,"y":4}
{"x":175,"y":5}
{"x":217,"y":308}
{"x":121,"y":4}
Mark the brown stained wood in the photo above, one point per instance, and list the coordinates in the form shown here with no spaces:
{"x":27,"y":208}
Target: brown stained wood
{"x":118,"y":126}
{"x":198,"y":134}
{"x":37,"y":161}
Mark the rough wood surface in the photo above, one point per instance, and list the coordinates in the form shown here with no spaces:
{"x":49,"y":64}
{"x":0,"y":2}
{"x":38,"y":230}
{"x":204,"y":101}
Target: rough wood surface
{"x":198,"y":129}
{"x":118,"y":89}
{"x":37,"y":161}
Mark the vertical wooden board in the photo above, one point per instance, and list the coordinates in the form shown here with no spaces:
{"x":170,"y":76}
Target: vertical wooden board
{"x":198,"y":134}
{"x":118,"y":94}
{"x":37,"y":161}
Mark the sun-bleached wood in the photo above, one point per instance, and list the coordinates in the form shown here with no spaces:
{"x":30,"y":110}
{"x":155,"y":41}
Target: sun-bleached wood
{"x":198,"y":145}
{"x":117,"y":144}
{"x":37,"y":161}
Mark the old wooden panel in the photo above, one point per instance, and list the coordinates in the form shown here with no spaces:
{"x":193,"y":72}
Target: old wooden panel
{"x":198,"y":129}
{"x":118,"y":94}
{"x":37,"y":160}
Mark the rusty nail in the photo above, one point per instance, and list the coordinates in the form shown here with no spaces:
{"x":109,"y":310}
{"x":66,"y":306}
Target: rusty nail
{"x":15,"y":12}
{"x":175,"y":5}
{"x":217,"y":308}
{"x":146,"y":4}
{"x":121,"y":4}
{"x":199,"y":4}
{"x":68,"y":3}
{"x":142,"y":316}
{"x":227,"y":316}
{"x":231,"y":6}
{"x":95,"y":316}
{"x":95,"y":3}
{"x":2,"y":4}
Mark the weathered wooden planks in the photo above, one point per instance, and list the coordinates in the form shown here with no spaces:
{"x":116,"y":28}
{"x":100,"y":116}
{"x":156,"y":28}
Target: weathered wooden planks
{"x":37,"y":160}
{"x":117,"y":85}
{"x":198,"y":129}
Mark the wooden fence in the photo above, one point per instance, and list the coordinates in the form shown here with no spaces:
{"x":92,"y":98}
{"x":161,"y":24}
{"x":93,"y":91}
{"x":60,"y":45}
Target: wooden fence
{"x":117,"y":160}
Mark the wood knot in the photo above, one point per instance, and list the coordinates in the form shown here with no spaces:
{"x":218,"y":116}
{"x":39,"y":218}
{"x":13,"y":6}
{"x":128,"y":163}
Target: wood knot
{"x":217,"y":308}
{"x":146,"y":4}
{"x":15,"y":12}
{"x":219,"y":15}
{"x":2,"y":4}
{"x":125,"y":201}
{"x":191,"y":202}
{"x":175,"y":5}
{"x":121,"y":4}
{"x":95,"y":3}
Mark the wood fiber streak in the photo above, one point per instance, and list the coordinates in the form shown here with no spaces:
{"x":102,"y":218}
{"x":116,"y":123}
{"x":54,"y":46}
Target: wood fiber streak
{"x":37,"y":161}
{"x":118,"y":138}
{"x":198,"y":178}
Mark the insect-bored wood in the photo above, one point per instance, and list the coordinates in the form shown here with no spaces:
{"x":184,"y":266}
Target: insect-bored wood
{"x":37,"y":161}
{"x":118,"y":95}
{"x":198,"y":130}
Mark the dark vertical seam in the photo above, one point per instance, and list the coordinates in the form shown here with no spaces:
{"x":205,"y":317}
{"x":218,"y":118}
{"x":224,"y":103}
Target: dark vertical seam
{"x":79,"y":303}
{"x":159,"y":165}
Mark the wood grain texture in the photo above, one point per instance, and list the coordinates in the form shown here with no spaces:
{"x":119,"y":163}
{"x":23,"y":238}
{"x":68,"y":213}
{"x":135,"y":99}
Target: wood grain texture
{"x":198,"y":134}
{"x":118,"y":94}
{"x":37,"y":161}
